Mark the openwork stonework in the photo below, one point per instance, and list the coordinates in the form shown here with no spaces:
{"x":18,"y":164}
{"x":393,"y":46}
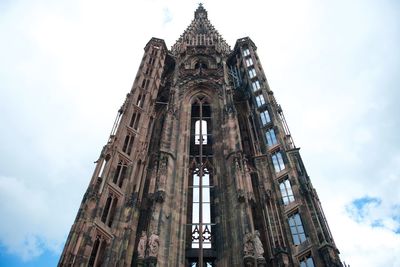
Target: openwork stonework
{"x":200,"y":168}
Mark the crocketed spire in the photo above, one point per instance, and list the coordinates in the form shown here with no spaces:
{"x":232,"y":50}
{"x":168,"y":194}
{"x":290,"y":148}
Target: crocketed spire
{"x":200,"y":32}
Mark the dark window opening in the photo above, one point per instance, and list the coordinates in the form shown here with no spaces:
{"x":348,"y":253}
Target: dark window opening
{"x":141,"y":98}
{"x":109,"y":210}
{"x":134,"y":122}
{"x":120,"y":174}
{"x":128,"y":143}
{"x":97,"y":254}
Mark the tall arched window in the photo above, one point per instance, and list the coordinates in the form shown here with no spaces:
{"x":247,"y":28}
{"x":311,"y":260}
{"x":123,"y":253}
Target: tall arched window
{"x":200,"y":210}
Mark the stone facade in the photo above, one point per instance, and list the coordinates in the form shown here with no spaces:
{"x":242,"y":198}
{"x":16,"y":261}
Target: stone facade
{"x":200,"y":168}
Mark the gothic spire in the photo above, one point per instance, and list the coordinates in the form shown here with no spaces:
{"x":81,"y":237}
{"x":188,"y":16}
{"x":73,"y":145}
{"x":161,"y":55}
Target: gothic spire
{"x":200,"y":12}
{"x":200,"y":32}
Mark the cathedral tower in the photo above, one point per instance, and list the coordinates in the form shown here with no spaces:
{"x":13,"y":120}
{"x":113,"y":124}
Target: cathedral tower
{"x":200,"y":168}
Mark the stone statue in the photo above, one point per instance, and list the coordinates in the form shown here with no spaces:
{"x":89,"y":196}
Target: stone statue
{"x":154,"y":243}
{"x":248,"y":245}
{"x":142,"y":246}
{"x":161,"y":184}
{"x":258,"y":246}
{"x":163,"y":174}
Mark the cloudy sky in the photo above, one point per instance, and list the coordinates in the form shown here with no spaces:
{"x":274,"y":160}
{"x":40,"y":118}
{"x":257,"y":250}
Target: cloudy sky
{"x":65,"y":67}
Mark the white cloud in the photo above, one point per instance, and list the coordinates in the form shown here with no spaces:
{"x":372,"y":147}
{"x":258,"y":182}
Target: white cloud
{"x":21,"y":227}
{"x":363,"y":245}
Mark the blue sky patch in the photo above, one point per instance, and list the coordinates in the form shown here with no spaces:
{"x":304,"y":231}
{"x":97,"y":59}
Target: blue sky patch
{"x":47,"y":259}
{"x":360,"y":207}
{"x":366,"y":210}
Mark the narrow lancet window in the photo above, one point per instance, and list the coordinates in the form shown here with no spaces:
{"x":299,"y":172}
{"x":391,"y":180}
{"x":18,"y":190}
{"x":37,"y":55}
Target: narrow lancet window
{"x":200,"y":216}
{"x":96,"y":256}
{"x":135,"y":119}
{"x":128,"y":143}
{"x":140,"y":100}
{"x":109,"y":210}
{"x":206,"y":208}
{"x":120,"y":174}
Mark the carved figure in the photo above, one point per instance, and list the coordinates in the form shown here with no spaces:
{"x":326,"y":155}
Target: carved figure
{"x":161,"y":184}
{"x":154,"y":243}
{"x":163,"y":176}
{"x":258,"y":246}
{"x":142,"y":246}
{"x":248,"y":245}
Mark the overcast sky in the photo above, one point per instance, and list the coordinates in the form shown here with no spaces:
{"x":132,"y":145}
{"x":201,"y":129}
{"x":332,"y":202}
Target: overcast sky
{"x":66,"y":66}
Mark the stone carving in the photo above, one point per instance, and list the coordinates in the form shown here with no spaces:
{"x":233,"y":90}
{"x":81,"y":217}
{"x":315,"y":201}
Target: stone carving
{"x":142,"y":246}
{"x":132,"y":200}
{"x":248,"y":245}
{"x":159,"y":196}
{"x":241,"y":195}
{"x":267,"y":195}
{"x":258,"y":246}
{"x":154,"y":243}
{"x":253,"y":245}
{"x":163,"y":173}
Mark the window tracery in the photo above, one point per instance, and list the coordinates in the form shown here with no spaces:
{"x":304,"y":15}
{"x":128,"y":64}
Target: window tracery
{"x":200,"y":216}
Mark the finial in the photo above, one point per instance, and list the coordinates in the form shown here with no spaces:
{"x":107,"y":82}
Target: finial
{"x":200,"y":12}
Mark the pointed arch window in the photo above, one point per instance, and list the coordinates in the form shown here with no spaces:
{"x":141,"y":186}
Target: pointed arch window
{"x":200,"y":217}
{"x":97,"y":254}
{"x":120,"y":173}
{"x":135,"y":119}
{"x":108,"y":214}
{"x":141,"y":97}
{"x":204,"y":187}
{"x":128,"y":143}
